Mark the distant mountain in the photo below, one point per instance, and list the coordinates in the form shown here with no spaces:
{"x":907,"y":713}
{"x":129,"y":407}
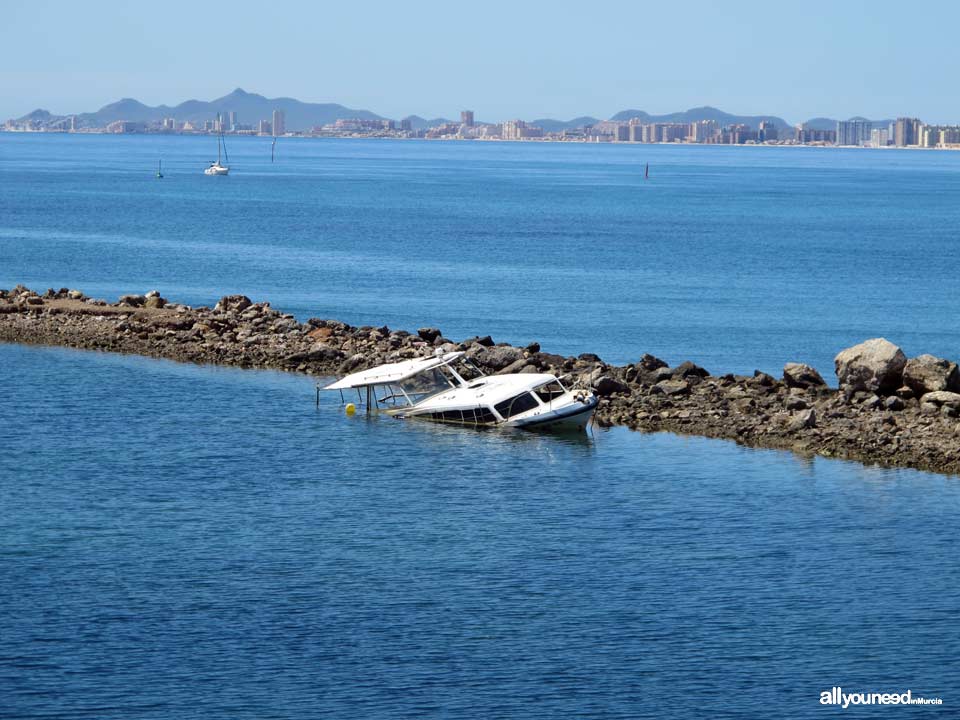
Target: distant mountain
{"x":704,"y":113}
{"x":250,"y":109}
{"x":558,"y":125}
{"x":40,"y":116}
{"x":822,"y":123}
{"x":419,"y":123}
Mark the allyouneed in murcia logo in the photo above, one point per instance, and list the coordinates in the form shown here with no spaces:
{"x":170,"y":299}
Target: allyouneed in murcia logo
{"x":836,"y":696}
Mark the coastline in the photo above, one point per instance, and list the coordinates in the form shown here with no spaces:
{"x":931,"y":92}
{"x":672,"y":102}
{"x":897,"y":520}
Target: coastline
{"x":889,"y":416}
{"x":540,"y":140}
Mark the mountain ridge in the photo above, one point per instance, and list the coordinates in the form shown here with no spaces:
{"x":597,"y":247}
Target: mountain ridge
{"x":301,"y":116}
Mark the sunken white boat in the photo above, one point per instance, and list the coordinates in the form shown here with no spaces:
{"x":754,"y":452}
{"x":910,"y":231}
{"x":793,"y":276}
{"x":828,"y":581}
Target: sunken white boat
{"x":449,"y":388}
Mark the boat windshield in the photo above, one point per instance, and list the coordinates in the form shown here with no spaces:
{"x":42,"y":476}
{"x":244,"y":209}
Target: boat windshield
{"x":549,"y":391}
{"x":466,"y":369}
{"x":427,"y":383}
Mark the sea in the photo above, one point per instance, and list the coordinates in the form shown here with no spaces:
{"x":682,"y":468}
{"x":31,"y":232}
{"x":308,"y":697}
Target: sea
{"x":183,"y":541}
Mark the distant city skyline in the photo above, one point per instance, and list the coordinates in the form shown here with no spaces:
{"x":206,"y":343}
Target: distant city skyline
{"x":506,"y":60}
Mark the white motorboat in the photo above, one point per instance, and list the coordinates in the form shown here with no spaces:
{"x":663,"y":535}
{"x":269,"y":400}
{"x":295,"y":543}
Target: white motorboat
{"x":216,"y":168}
{"x":449,"y":388}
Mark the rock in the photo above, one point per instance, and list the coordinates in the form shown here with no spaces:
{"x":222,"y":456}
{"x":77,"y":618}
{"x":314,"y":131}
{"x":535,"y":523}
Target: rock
{"x":154,"y":301}
{"x":875,"y":365}
{"x":237,"y":303}
{"x":351,"y":364}
{"x":796,"y":403}
{"x":650,"y":363}
{"x":762,"y":379}
{"x":317,"y":354}
{"x":894,"y":403}
{"x":485,"y":341}
{"x":497,"y":358}
{"x":687,"y":369}
{"x":941,"y":397}
{"x":515,"y":367}
{"x":428,"y":334}
{"x":152,"y":294}
{"x":132,"y":300}
{"x":926,"y":373}
{"x":671,"y":387}
{"x":799,"y":375}
{"x":320,"y":333}
{"x":606,"y":385}
{"x":34,"y":300}
{"x":804,"y":420}
{"x":661,"y":374}
{"x":533,"y":348}
{"x":905,"y":393}
{"x":75,"y":295}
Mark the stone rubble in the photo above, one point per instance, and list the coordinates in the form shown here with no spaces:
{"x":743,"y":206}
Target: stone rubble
{"x":888,"y":409}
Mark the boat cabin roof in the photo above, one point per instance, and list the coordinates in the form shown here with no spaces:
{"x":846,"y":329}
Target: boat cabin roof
{"x":392,"y":372}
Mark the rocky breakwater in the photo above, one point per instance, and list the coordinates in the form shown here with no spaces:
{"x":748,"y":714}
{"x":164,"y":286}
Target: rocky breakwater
{"x":887,"y":408}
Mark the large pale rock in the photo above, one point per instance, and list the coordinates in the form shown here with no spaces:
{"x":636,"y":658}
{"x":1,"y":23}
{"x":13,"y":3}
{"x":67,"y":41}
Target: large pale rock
{"x":671,"y":387}
{"x":132,"y":300}
{"x":874,"y":366}
{"x":941,"y":397}
{"x":799,"y":375}
{"x":237,"y":303}
{"x":926,"y":373}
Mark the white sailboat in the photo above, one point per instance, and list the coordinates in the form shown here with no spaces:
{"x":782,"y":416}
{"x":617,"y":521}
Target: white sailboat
{"x":216,"y":168}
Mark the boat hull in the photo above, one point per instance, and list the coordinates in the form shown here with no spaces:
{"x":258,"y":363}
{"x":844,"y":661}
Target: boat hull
{"x":568,"y":419}
{"x":216,"y":171}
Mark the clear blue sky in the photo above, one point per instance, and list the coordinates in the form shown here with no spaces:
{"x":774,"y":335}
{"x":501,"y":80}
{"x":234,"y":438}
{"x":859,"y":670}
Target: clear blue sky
{"x":503,"y":59}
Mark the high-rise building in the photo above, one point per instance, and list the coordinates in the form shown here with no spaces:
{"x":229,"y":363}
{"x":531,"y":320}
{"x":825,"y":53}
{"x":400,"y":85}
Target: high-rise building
{"x":263,"y":128}
{"x":466,"y":117}
{"x":854,"y":132}
{"x":906,"y":131}
{"x":879,"y":137}
{"x":232,"y":124}
{"x":806,"y":134}
{"x":950,"y":135}
{"x":768,"y":131}
{"x":673,"y":132}
{"x":279,"y":122}
{"x":703,"y":131}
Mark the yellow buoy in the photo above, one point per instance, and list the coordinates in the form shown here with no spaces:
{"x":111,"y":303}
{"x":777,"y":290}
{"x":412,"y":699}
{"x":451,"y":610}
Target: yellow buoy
{"x":350,"y":409}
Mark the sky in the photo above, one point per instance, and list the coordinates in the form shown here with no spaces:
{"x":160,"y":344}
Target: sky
{"x":504,"y":60}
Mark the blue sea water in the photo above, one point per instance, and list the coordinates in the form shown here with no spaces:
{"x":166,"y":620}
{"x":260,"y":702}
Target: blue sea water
{"x":191,"y":542}
{"x":735,"y":258}
{"x":197,"y":542}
